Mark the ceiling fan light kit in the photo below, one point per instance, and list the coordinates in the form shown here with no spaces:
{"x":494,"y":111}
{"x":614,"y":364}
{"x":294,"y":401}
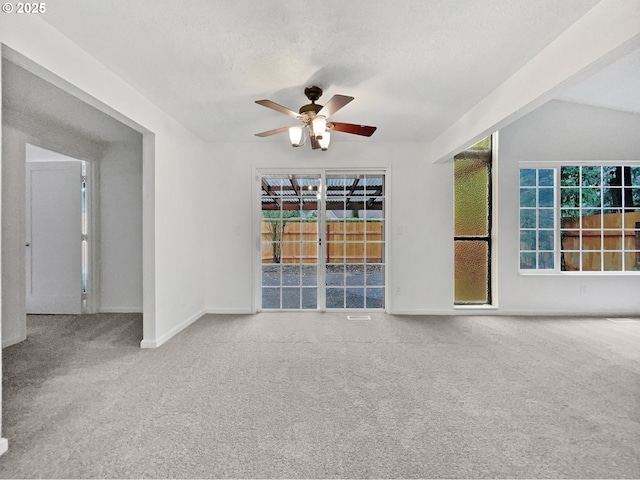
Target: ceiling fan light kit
{"x":314,"y":120}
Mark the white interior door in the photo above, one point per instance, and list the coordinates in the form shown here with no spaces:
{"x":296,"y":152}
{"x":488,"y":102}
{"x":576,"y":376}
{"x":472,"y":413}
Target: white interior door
{"x":54,"y":236}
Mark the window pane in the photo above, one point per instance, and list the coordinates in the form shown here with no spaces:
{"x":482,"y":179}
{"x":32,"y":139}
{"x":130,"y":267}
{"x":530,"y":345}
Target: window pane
{"x":527,"y":239}
{"x":545,"y":218}
{"x":335,"y":298}
{"x":374,"y":298}
{"x":570,"y":261}
{"x":570,"y":217}
{"x":591,"y":218}
{"x":355,"y":275}
{"x":310,"y":298}
{"x":291,"y":298}
{"x":612,"y":261}
{"x":570,"y":197}
{"x":528,"y":260}
{"x":570,"y":176}
{"x":591,"y":261}
{"x":612,"y":197}
{"x":290,"y":275}
{"x":612,"y":240}
{"x":270,"y":298}
{"x":527,"y":197}
{"x":309,"y":275}
{"x":527,"y":177}
{"x":591,"y":176}
{"x":570,"y":239}
{"x":471,"y":271}
{"x":545,"y":177}
{"x":591,"y":197}
{"x":612,"y":219}
{"x":528,"y":218}
{"x":270,"y":275}
{"x":375,"y":275}
{"x":632,"y":261}
{"x":545,"y":197}
{"x":591,"y":240}
{"x":631,"y":219}
{"x":471,"y":177}
{"x":354,"y":297}
{"x":545,"y":240}
{"x":610,"y":176}
{"x":546,"y":260}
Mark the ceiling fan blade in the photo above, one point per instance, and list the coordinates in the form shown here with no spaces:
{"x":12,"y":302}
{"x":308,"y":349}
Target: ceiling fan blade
{"x":314,"y":143}
{"x":364,"y":130}
{"x":277,"y":108}
{"x":335,"y":104}
{"x":272,"y":132}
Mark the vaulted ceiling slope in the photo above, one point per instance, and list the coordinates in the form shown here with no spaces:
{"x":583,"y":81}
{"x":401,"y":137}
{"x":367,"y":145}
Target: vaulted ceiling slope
{"x":415,"y":67}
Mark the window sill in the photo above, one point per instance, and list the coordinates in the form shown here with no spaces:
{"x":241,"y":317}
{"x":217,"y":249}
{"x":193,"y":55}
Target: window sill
{"x":630,"y":273}
{"x":475,"y":307}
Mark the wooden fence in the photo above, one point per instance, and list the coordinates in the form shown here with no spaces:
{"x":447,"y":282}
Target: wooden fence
{"x":597,"y":248}
{"x":347,"y":242}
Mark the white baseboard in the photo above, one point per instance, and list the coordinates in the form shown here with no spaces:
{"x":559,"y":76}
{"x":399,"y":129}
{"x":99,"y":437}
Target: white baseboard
{"x":4,"y":445}
{"x":229,"y":311}
{"x":420,"y":312}
{"x":174,"y":331}
{"x":7,"y":342}
{"x":463,"y":311}
{"x":120,"y":310}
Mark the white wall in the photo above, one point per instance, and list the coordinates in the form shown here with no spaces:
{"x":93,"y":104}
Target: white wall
{"x":14,"y":328}
{"x":120,"y":227}
{"x":561,"y":131}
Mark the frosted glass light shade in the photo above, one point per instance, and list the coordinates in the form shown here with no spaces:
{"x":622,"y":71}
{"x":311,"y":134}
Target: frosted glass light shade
{"x":319,"y":126}
{"x":325,"y":140}
{"x":295,"y":135}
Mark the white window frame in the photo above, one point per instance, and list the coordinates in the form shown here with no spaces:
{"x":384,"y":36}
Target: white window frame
{"x":556,"y":165}
{"x":257,"y":174}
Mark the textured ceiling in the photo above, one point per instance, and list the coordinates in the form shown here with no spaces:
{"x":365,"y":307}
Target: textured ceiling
{"x":414,"y":67}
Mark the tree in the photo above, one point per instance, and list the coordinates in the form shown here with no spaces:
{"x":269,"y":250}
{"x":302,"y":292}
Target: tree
{"x":277,"y":220}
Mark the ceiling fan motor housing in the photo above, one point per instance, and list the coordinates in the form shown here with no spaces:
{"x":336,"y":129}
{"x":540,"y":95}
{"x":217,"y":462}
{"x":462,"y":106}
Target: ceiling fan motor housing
{"x":313,"y":93}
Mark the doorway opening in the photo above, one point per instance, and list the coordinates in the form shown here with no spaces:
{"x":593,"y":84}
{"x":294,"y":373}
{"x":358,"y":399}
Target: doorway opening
{"x":322,"y":241}
{"x":59,"y":237}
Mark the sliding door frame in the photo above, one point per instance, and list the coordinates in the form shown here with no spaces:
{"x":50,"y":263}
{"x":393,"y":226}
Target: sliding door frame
{"x":256,"y":263}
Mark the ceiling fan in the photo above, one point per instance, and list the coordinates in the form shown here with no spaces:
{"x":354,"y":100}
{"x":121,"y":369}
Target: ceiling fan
{"x":314,"y":119}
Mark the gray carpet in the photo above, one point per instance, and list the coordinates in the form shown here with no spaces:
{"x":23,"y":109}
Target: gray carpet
{"x":307,"y":395}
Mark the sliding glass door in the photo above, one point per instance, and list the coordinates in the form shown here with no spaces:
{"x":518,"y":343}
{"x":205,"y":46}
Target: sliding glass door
{"x":354,"y":230}
{"x":289,"y":241}
{"x":322,"y":241}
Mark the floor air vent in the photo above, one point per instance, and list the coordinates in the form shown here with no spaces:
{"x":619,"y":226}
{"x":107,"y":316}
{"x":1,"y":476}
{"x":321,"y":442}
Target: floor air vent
{"x":358,"y":317}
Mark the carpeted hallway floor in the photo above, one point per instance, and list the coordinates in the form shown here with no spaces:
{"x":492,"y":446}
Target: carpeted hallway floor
{"x":306,"y":395}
